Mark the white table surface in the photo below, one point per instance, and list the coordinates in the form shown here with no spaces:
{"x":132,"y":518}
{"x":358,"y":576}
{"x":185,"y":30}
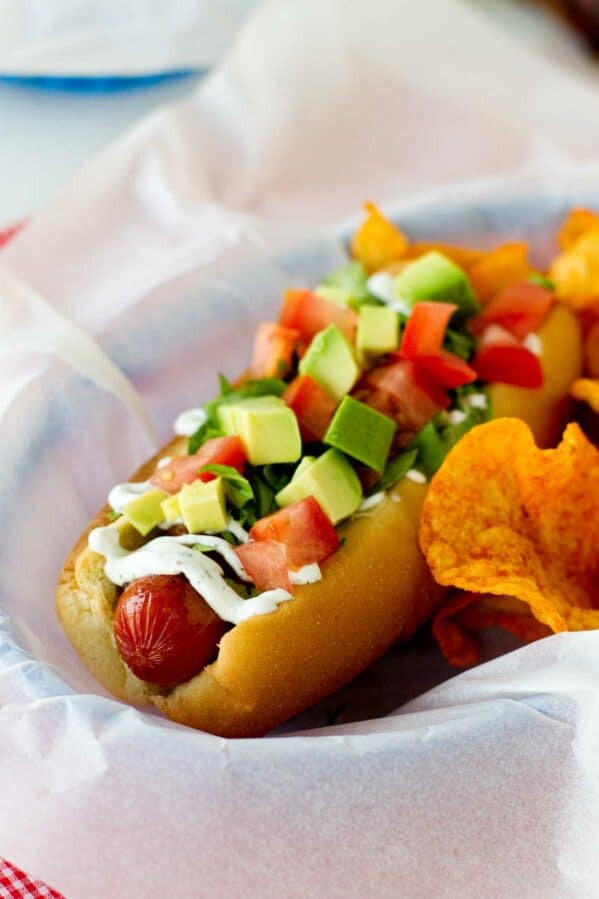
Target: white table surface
{"x":45,"y":136}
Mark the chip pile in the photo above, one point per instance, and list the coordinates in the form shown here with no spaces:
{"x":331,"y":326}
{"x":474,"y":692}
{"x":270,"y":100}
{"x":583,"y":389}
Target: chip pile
{"x":518,"y":528}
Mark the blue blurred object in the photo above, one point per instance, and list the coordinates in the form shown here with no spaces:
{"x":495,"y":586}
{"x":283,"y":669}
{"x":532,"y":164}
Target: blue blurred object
{"x":97,"y":84}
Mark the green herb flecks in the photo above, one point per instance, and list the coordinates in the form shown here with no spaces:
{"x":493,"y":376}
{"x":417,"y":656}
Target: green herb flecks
{"x":436,"y":439}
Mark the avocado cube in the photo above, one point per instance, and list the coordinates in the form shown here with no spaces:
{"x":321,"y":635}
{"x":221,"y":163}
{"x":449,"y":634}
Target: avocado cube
{"x":305,"y":463}
{"x":330,"y":361}
{"x":145,"y":511}
{"x":269,"y":431}
{"x":171,"y":508}
{"x":339,"y":295}
{"x":378,"y":332}
{"x":227,"y":412}
{"x":203,"y":506}
{"x":331,"y":480}
{"x":436,"y":278}
{"x":361,"y":432}
{"x":226,"y":419}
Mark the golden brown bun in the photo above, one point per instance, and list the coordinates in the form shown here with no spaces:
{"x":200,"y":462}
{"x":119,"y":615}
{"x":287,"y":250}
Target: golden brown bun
{"x":375,"y":589}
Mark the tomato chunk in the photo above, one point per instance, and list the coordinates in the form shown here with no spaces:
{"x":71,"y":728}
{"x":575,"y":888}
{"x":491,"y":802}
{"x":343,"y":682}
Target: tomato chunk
{"x":184,"y":469}
{"x":520,"y":309}
{"x":266,"y":563}
{"x":313,"y":406}
{"x":425,"y":329}
{"x":446,"y":369}
{"x":303,"y":529}
{"x":509,"y":364}
{"x":303,"y":311}
{"x":404,"y":393}
{"x":273,"y":350}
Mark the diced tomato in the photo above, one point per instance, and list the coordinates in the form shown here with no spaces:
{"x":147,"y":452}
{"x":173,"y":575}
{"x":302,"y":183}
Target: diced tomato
{"x":425,"y":329}
{"x":305,"y":312}
{"x":503,"y":359}
{"x":273,"y":350}
{"x":266,"y":563}
{"x":519,"y":309}
{"x":313,"y":406}
{"x":446,"y":369}
{"x":303,"y":529}
{"x":403,"y":393}
{"x":184,"y":469}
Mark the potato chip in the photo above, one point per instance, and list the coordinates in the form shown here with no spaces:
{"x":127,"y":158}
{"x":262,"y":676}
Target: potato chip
{"x":586,"y":390}
{"x":502,"y":267}
{"x":575,"y":272}
{"x":461,"y":615}
{"x":378,"y":242}
{"x":505,"y":518}
{"x":579,"y":221}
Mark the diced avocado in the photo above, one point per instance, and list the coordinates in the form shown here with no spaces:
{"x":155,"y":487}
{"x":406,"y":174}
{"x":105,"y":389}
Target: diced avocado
{"x":269,"y":430}
{"x":436,"y":278}
{"x":203,"y":506}
{"x":338,"y":295}
{"x":331,"y":480}
{"x":145,"y":511}
{"x":227,"y":411}
{"x":171,"y":508}
{"x":226,"y":419}
{"x":378,"y":332}
{"x":361,"y":432}
{"x":330,"y":361}
{"x":305,"y":463}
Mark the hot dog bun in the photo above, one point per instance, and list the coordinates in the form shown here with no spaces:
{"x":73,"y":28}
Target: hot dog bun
{"x":375,"y":589}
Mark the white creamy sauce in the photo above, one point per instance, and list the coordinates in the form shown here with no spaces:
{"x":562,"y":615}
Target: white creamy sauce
{"x":189,"y":421}
{"x":382,"y":286}
{"x":164,"y":461}
{"x":533,"y":343}
{"x":477,"y":400}
{"x":414,"y":475}
{"x":371,"y":501}
{"x":175,"y":555}
{"x":456,"y":417}
{"x":238,"y":532}
{"x":308,"y":574}
{"x":122,"y":494}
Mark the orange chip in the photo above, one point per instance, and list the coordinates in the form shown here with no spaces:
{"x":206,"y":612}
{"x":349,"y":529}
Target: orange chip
{"x":575,"y":272}
{"x":579,"y":221}
{"x":505,"y":518}
{"x":499,"y":268}
{"x":378,"y":242}
{"x":461,"y":615}
{"x":587,"y":390}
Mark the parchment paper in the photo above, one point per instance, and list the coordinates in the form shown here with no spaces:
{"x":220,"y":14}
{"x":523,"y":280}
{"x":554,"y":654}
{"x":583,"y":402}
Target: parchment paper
{"x":157,"y":262}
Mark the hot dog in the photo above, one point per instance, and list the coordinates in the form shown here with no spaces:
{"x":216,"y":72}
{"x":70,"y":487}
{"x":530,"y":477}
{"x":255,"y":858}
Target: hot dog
{"x":321,"y":453}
